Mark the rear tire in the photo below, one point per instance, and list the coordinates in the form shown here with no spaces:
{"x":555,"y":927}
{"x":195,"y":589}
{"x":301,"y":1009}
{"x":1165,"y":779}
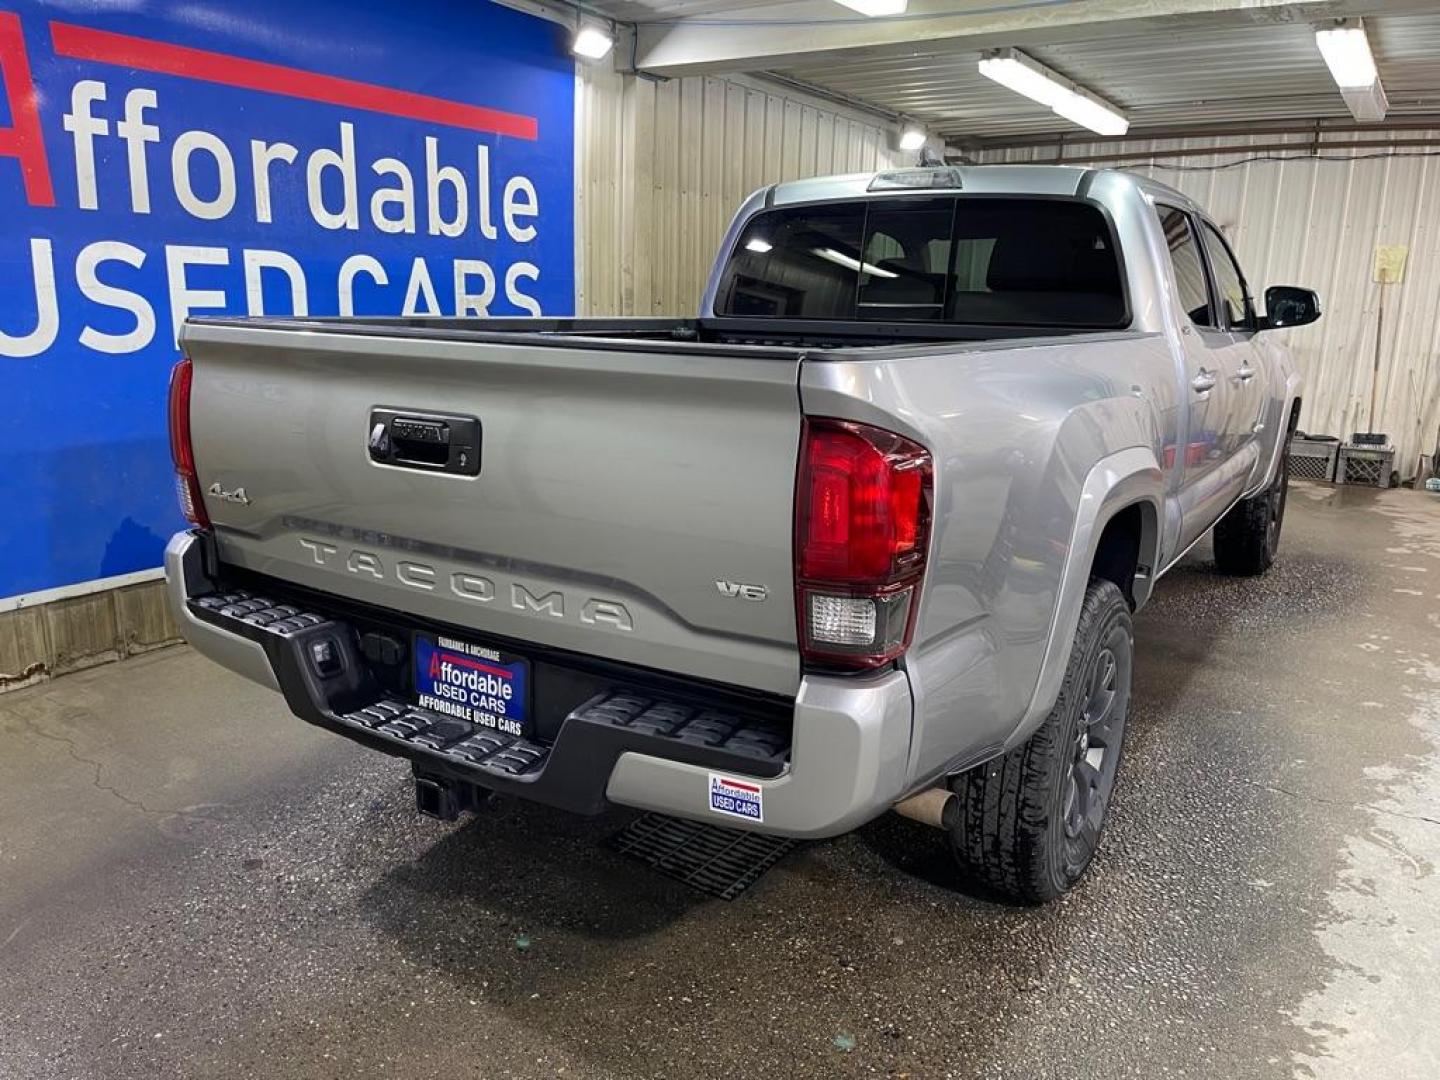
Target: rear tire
{"x":1248,"y":537}
{"x":1031,"y":820}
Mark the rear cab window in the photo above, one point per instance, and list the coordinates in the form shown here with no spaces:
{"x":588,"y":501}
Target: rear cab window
{"x":968,"y":260}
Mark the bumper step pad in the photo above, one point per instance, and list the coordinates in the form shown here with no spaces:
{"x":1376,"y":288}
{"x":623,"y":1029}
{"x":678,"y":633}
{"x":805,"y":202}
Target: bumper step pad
{"x":698,"y":727}
{"x":715,"y":860}
{"x":282,"y":619}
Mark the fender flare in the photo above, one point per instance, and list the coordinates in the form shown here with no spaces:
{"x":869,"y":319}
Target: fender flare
{"x":1116,"y":482}
{"x":1282,"y":426}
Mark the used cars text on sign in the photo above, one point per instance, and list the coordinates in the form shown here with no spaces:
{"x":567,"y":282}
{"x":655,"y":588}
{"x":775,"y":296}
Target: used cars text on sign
{"x":320,"y":158}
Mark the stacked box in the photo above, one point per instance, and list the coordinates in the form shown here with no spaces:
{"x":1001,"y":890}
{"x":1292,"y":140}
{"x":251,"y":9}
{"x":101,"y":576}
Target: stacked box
{"x":1313,"y":459}
{"x":1367,"y":466}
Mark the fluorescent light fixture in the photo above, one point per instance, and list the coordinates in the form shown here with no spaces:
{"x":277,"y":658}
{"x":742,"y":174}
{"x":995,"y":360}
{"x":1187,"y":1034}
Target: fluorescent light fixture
{"x":1028,"y":80}
{"x":839,"y":258}
{"x":1016,"y":71}
{"x":760,"y":247}
{"x":912,"y":138}
{"x":876,"y":9}
{"x":1347,"y":54}
{"x":592,"y":43}
{"x":1346,"y":50}
{"x":1366,"y":102}
{"x":1091,"y":114}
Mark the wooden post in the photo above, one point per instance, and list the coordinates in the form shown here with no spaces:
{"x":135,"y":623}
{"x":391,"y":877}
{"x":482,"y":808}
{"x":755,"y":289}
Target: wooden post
{"x":1389,"y":270}
{"x":1375,"y":374}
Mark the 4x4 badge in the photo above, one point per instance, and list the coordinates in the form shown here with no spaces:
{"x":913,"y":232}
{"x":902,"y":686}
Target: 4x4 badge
{"x":236,"y":496}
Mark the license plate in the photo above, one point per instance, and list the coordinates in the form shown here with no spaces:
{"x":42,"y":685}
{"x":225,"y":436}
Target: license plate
{"x":474,"y":683}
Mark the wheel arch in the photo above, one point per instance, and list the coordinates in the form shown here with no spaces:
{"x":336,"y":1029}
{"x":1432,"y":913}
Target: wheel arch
{"x":1128,"y":549}
{"x":1121,"y":509}
{"x":1287,"y":418}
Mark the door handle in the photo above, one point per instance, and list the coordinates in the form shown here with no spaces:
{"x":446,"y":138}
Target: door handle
{"x":1204,"y":382}
{"x":1245,"y":374}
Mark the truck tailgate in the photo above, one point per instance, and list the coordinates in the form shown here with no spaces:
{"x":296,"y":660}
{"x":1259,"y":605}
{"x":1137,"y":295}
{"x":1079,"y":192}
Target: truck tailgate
{"x":625,"y":492}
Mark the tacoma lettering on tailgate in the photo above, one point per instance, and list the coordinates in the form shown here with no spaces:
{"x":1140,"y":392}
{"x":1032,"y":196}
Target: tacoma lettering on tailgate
{"x":537,"y":600}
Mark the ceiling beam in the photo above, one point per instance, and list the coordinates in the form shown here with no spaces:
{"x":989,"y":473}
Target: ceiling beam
{"x":1316,"y":129}
{"x":820,"y":31}
{"x":1292,"y":151}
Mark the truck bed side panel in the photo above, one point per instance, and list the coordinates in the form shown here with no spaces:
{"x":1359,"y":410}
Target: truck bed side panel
{"x":1014,"y":430}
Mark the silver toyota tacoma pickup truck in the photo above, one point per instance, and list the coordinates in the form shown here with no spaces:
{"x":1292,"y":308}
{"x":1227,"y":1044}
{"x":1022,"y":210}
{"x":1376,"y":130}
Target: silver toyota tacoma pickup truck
{"x":866,"y":534}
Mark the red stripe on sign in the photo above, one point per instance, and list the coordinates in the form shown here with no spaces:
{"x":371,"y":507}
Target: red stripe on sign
{"x":83,"y":43}
{"x":743,"y":787}
{"x":465,"y":661}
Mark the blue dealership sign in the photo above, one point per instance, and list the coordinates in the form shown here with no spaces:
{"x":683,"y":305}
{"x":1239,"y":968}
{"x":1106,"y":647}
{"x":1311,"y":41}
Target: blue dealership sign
{"x":173,"y":158}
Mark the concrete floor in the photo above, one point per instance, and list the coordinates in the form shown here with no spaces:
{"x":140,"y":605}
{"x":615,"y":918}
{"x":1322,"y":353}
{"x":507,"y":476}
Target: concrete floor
{"x":193,"y":884}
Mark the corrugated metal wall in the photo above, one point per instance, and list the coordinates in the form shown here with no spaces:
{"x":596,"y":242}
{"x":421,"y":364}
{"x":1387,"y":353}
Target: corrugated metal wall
{"x":1316,"y":221}
{"x":662,"y":167}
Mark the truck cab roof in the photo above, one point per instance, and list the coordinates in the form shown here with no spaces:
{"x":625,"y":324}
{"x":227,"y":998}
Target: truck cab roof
{"x":1007,"y":179}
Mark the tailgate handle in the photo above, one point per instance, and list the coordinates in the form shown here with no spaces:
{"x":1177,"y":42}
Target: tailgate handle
{"x":433,"y":442}
{"x":416,"y":440}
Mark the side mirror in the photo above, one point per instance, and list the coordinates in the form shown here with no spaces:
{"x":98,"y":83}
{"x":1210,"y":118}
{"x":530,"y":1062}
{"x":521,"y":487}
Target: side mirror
{"x":1288,"y":305}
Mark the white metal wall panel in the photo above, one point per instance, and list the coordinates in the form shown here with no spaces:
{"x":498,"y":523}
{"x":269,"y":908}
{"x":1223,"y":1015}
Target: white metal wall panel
{"x":662,"y":167}
{"x":1316,"y":221}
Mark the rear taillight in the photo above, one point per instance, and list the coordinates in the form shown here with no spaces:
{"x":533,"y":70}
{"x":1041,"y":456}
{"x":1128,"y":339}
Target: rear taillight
{"x":862,"y":528}
{"x":182,"y":452}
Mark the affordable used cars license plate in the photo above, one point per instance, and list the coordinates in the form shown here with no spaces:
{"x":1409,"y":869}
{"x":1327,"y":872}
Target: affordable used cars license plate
{"x":474,"y":683}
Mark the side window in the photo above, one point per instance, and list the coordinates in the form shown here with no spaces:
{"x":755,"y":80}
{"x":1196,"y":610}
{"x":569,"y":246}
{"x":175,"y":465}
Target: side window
{"x":1229,"y":282}
{"x":1189,"y":269}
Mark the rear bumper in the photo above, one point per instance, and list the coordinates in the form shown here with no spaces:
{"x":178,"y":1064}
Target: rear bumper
{"x":838,"y":762}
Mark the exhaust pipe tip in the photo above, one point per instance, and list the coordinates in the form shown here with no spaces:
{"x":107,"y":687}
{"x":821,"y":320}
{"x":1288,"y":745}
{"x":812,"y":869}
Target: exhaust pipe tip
{"x":937,"y":807}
